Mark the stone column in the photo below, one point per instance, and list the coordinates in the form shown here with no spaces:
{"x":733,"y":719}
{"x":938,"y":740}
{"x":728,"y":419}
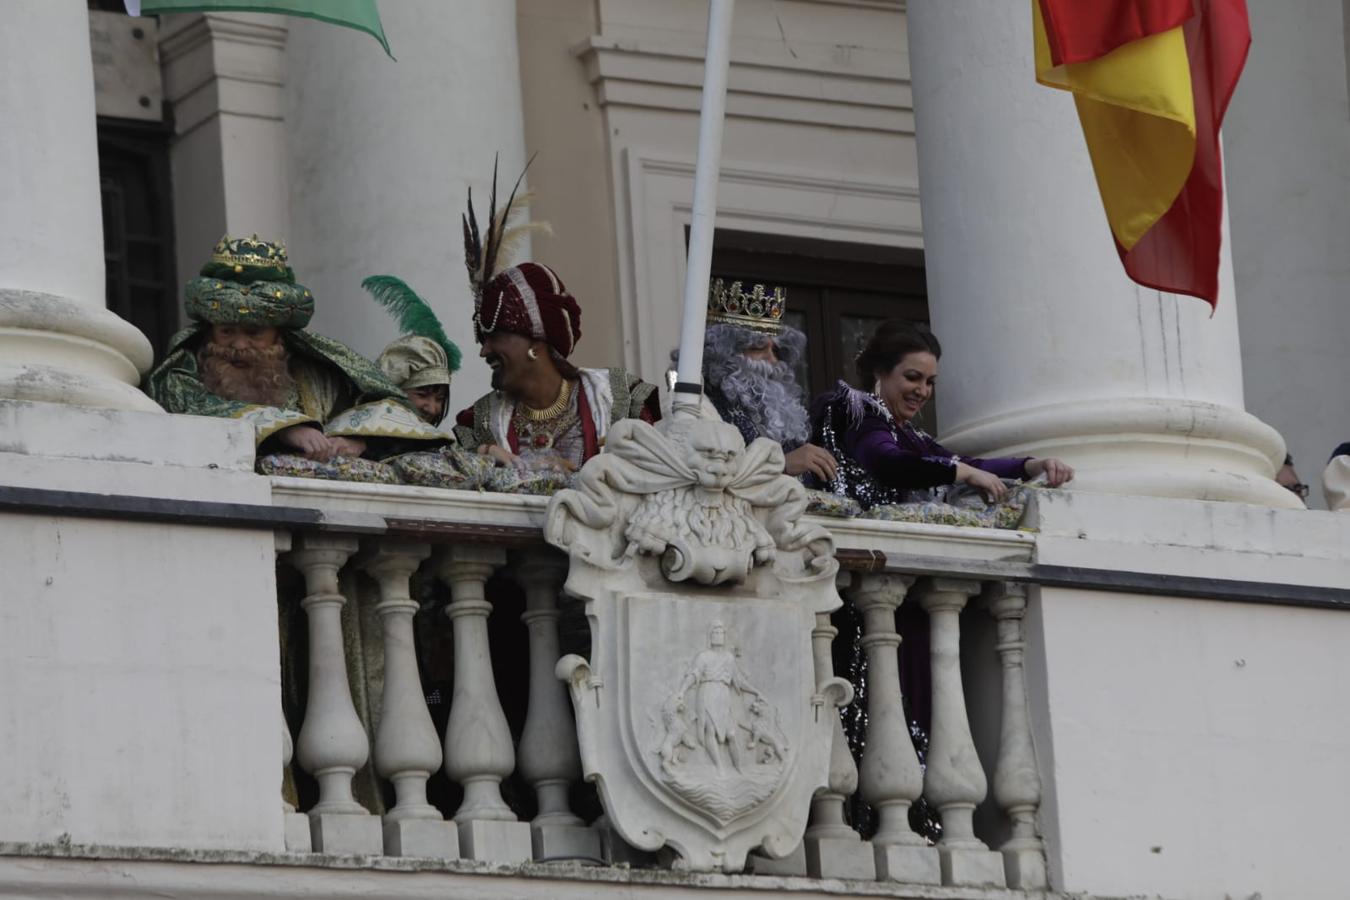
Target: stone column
{"x":58,"y":341}
{"x":407,"y":749}
{"x":333,"y":743}
{"x":1017,"y":783}
{"x":1050,"y":349}
{"x":550,"y":759}
{"x":225,"y":76}
{"x":891,"y":777}
{"x":954,"y":781}
{"x":833,"y":848}
{"x":478,"y":752}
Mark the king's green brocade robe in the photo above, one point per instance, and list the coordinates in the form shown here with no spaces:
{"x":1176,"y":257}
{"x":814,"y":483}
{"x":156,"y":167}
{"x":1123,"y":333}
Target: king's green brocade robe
{"x":336,"y":389}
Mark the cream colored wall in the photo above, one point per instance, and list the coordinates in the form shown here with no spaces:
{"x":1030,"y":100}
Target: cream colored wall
{"x":139,"y":658}
{"x":818,"y":143}
{"x":1186,"y":744}
{"x":566,"y":127}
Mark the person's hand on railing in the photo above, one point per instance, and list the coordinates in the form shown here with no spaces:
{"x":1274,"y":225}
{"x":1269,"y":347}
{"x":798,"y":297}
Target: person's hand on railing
{"x":1056,"y":471}
{"x":500,"y":455}
{"x":347,"y":446}
{"x":991,"y":486}
{"x":310,"y":441}
{"x":813,"y":459}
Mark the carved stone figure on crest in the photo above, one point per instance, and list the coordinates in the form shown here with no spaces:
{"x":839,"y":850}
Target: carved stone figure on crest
{"x":699,"y":714}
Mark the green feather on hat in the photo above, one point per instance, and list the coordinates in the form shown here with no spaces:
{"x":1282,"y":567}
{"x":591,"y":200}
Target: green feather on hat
{"x":412,"y":361}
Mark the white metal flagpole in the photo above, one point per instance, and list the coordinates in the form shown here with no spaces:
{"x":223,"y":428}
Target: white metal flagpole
{"x":710,"y":119}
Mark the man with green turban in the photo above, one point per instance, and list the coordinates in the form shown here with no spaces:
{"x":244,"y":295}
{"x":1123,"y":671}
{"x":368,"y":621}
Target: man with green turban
{"x":247,"y":356}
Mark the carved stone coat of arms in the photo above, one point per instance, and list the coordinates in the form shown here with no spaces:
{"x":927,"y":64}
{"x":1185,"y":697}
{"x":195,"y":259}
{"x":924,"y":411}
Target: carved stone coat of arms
{"x":699,"y":714}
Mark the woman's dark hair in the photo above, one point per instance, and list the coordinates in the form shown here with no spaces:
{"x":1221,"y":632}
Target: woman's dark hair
{"x":893,"y":340}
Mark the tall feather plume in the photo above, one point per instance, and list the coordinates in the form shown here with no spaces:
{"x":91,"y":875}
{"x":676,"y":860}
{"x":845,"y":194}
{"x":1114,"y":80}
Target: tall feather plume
{"x":499,"y":236}
{"x":412,"y":312}
{"x":473,"y":249}
{"x":487,"y":251}
{"x":509,"y":238}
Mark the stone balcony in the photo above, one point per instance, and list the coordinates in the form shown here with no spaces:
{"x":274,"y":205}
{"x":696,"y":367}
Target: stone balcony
{"x":145,"y":560}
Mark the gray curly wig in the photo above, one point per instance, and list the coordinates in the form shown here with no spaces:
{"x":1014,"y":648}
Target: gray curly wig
{"x":767,"y":393}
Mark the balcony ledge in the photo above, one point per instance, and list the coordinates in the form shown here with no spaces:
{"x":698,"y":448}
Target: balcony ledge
{"x":522,"y":514}
{"x":63,"y":869}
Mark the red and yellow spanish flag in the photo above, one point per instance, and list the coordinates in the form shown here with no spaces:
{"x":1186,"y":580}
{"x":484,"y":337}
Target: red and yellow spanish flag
{"x":1152,"y":80}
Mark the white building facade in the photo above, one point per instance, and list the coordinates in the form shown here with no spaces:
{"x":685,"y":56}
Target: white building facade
{"x":1156,"y":711}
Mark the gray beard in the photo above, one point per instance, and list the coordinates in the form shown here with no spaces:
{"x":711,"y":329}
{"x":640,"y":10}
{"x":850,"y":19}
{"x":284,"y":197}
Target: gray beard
{"x":767,"y":394}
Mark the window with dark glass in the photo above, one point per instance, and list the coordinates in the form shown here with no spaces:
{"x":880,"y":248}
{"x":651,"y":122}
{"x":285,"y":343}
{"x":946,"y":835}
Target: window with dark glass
{"x":138,"y":256}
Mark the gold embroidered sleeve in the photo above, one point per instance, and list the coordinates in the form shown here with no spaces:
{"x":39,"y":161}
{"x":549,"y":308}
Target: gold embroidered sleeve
{"x":268,"y":420}
{"x":383,"y":419}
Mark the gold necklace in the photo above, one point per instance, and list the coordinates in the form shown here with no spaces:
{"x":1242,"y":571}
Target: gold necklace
{"x":553,"y":410}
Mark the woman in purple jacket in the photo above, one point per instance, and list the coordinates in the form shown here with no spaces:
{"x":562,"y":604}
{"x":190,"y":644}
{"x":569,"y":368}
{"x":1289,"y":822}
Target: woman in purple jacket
{"x":882,"y":457}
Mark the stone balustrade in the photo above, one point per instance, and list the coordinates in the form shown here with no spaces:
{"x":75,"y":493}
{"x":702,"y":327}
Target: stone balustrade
{"x":503,"y":782}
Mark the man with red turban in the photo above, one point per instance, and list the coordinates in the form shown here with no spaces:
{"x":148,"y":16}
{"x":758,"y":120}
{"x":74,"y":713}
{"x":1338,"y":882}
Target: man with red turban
{"x":543,"y":408}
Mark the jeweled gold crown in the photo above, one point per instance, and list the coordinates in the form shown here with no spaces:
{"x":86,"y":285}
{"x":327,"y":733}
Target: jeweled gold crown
{"x":249,"y":251}
{"x":760,"y":310}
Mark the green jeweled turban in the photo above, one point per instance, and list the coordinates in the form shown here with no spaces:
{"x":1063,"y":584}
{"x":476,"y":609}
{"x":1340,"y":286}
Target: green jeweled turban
{"x":248,"y":282}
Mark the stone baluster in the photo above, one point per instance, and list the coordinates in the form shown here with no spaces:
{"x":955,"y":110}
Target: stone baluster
{"x":1017,"y":783}
{"x":892,"y":779}
{"x":333,"y":743}
{"x":833,"y":848}
{"x":296,"y":825}
{"x":954,"y":781}
{"x":550,"y":759}
{"x":407,"y":749}
{"x":478,"y":751}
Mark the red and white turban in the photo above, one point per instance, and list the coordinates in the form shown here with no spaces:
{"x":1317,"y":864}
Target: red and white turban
{"x":530,"y":299}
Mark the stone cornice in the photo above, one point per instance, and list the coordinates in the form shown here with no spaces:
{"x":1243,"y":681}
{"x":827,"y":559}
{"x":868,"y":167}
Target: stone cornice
{"x":864,"y":89}
{"x":223,"y":63}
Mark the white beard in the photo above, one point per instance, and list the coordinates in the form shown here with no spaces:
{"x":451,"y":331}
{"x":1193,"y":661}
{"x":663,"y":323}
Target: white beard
{"x":768,"y":395}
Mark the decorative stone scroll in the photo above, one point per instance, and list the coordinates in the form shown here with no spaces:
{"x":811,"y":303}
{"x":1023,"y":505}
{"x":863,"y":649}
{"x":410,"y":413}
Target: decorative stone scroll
{"x":699,"y":715}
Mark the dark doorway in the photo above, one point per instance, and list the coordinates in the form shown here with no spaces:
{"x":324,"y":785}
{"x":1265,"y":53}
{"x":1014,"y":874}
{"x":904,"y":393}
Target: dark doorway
{"x":138,"y":251}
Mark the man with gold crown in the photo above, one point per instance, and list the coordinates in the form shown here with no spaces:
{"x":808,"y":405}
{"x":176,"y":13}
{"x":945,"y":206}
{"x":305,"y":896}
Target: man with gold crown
{"x":749,"y":373}
{"x":542,"y":410}
{"x":247,"y":356}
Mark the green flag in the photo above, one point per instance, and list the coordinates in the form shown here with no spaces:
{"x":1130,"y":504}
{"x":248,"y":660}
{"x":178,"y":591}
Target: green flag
{"x":359,"y":14}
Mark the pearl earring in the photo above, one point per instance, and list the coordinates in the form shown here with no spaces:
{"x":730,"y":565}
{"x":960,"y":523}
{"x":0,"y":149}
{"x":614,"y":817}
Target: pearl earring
{"x":531,"y":354}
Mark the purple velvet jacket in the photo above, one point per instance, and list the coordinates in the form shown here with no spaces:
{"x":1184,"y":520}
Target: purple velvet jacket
{"x":884,"y":461}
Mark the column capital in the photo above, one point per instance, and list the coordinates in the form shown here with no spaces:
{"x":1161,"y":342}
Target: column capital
{"x":391,"y":557}
{"x":321,"y":550}
{"x":886,"y":589}
{"x":468,"y":562}
{"x":945,"y":593}
{"x":1006,"y":600}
